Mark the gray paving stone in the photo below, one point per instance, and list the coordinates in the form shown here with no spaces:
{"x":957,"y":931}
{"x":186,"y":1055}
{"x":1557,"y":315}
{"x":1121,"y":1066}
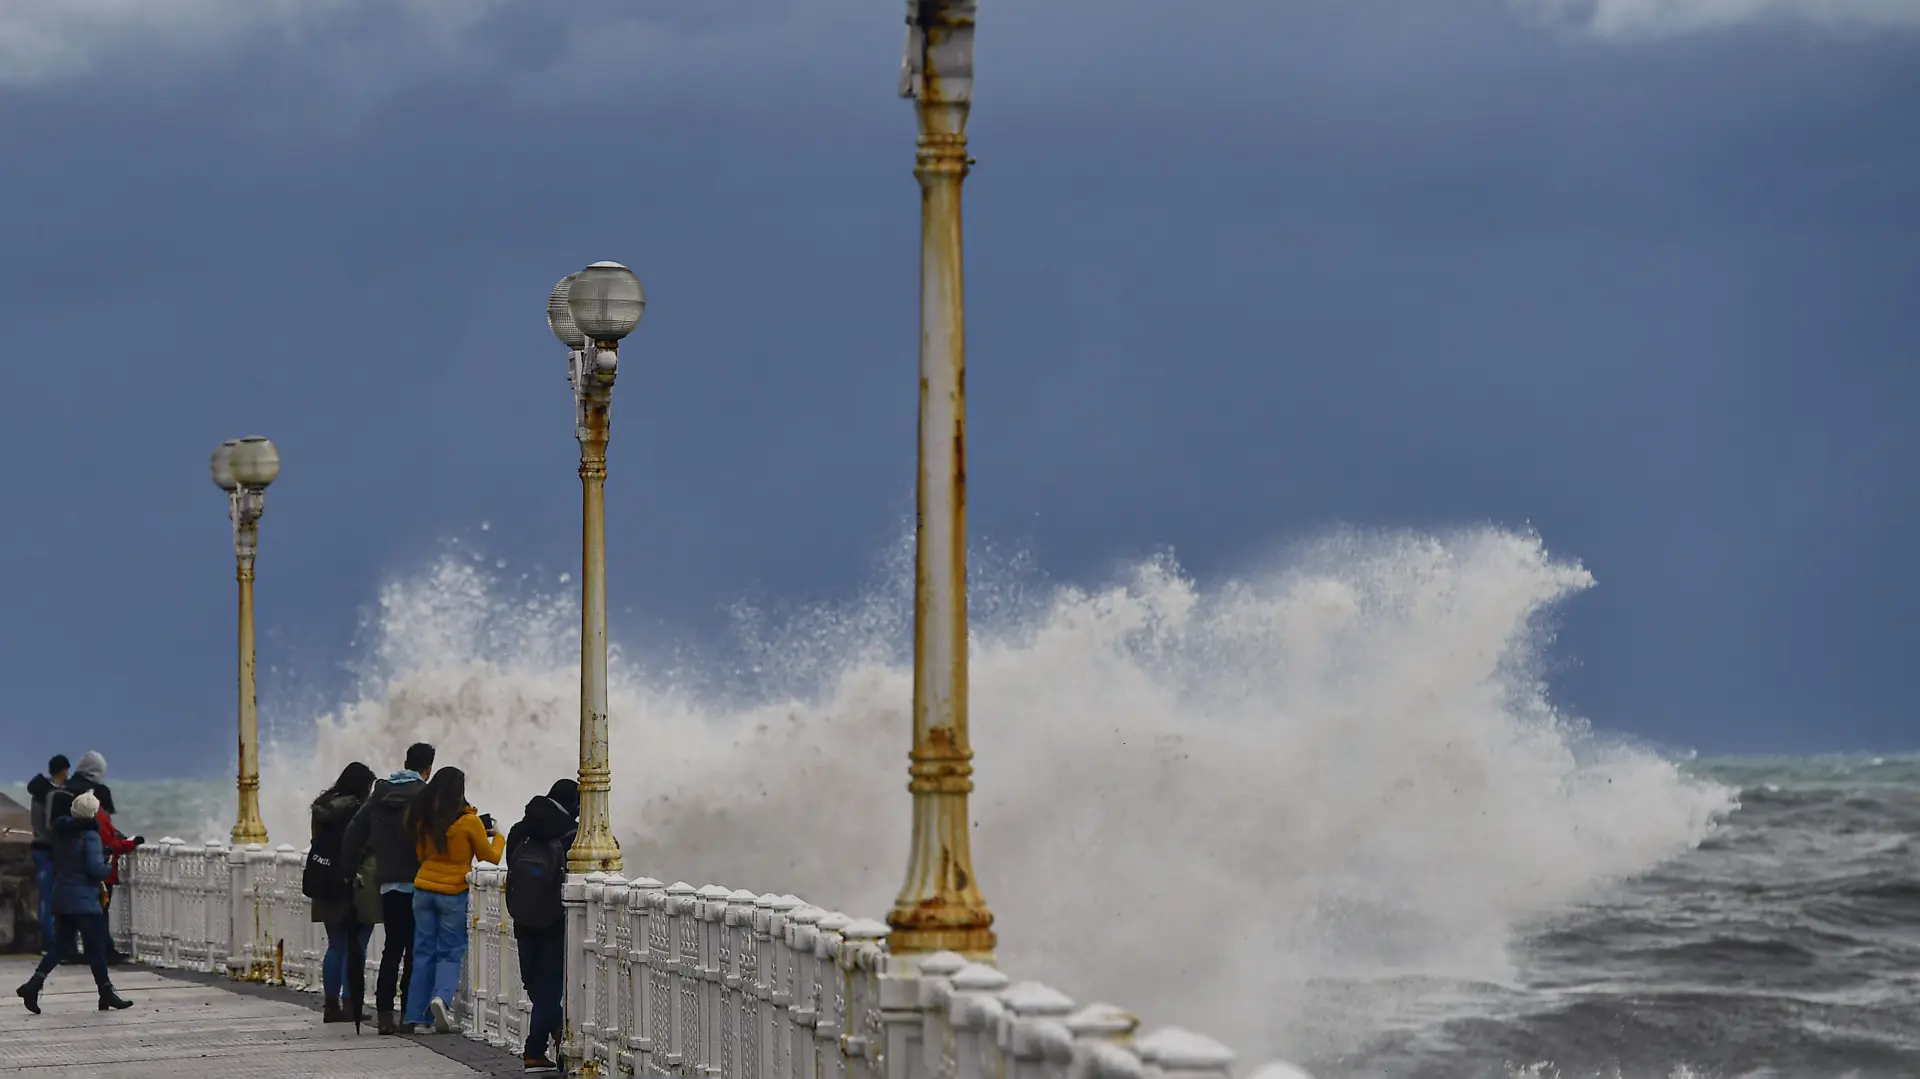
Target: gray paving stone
{"x":205,"y":1027}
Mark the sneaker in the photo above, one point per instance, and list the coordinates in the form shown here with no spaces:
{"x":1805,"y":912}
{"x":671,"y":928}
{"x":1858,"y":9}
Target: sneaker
{"x":441,"y":1024}
{"x":540,"y":1066}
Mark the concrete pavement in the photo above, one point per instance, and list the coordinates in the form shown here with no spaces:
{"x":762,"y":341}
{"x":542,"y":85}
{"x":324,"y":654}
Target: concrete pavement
{"x":208,"y":1028}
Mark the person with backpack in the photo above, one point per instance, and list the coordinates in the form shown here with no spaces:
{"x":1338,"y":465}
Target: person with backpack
{"x":329,"y":883}
{"x":536,"y":868}
{"x":378,"y":844}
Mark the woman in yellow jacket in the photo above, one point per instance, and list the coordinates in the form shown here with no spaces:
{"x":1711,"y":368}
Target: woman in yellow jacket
{"x":448,"y":834}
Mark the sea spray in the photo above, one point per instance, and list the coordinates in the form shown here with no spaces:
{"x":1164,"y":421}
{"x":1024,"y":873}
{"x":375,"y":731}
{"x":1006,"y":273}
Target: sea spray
{"x":1207,"y":804}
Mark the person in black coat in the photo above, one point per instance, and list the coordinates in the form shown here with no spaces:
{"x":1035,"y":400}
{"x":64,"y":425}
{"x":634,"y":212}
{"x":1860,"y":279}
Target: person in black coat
{"x":550,"y":820}
{"x":40,"y":791}
{"x":377,"y":840}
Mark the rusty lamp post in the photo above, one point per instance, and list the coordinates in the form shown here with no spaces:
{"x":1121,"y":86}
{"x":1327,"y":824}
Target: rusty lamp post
{"x":243,"y":467}
{"x":940,"y":906}
{"x":590,"y":312}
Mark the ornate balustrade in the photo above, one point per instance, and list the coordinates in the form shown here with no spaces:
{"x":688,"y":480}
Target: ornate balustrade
{"x":669,"y":980}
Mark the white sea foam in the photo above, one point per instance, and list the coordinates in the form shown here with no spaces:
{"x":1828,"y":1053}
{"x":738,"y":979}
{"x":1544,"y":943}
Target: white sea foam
{"x":1191,"y":801}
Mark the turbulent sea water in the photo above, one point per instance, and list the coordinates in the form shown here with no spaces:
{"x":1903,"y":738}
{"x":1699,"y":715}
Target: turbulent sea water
{"x":1326,"y":813}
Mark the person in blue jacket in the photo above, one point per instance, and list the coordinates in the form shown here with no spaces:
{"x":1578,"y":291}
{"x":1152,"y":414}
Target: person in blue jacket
{"x":80,"y":871}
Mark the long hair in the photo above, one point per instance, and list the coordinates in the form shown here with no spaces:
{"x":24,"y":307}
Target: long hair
{"x":437,"y":807}
{"x":356,"y":779}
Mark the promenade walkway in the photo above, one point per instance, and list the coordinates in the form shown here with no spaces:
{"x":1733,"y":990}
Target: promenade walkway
{"x":208,"y":1027}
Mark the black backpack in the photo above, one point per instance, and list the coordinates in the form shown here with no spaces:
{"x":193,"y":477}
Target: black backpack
{"x":324,"y":876}
{"x":535,"y":871}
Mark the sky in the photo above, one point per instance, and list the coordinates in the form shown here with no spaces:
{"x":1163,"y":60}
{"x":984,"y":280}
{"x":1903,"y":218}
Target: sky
{"x":1637,"y":274}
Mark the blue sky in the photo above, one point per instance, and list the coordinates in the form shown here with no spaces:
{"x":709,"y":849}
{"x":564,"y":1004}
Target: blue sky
{"x":1637,"y":273}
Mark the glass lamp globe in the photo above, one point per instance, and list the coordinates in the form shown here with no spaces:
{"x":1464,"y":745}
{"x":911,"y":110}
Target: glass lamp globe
{"x":606,"y":301}
{"x":559,"y":319}
{"x":255,"y":461}
{"x":222,"y":468}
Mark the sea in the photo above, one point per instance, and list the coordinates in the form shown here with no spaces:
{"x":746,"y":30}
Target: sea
{"x":1327,"y":811}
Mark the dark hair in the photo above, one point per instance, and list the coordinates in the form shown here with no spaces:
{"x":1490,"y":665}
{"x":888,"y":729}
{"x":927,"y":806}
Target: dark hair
{"x":59,"y":763}
{"x":419,"y":758}
{"x":435,"y":809}
{"x":356,"y":779}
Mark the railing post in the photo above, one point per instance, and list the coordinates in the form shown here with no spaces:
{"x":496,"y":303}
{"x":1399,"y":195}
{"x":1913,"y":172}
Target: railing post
{"x":290,"y":940}
{"x":862,"y":963}
{"x":573,"y":895}
{"x":765,"y":976}
{"x":609,"y":911}
{"x":830,"y":992}
{"x":1037,"y":1043}
{"x":1174,"y":1053}
{"x":636,"y":981}
{"x":736,"y":985}
{"x":914,"y":1001}
{"x":712,"y":908}
{"x":803,"y":925}
{"x":1094,"y":1027}
{"x":217,"y":910}
{"x":975,"y":1016}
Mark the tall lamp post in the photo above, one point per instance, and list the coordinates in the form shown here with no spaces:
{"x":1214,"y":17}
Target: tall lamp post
{"x":590,"y":312}
{"x":243,"y":467}
{"x":940,"y":906}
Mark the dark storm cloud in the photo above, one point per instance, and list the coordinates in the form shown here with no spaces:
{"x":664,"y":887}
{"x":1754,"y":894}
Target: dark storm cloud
{"x":1234,"y":276}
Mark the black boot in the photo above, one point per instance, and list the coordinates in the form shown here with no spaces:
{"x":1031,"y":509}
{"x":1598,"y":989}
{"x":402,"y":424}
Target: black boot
{"x":30,"y":993}
{"x":112,"y":1000}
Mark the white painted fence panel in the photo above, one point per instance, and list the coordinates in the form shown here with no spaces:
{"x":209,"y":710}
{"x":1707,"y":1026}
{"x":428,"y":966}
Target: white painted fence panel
{"x":671,"y":981}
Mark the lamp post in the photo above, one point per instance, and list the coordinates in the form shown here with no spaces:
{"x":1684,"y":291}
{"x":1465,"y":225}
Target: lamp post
{"x":940,"y":906}
{"x":590,"y":312}
{"x":243,"y":467}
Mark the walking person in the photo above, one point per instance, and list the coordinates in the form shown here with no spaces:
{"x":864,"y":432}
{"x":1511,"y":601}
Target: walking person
{"x":39,"y":792}
{"x":329,"y":882}
{"x":378,"y":832}
{"x":448,"y":834}
{"x":90,"y":775}
{"x":536,"y":869}
{"x":79,"y":874}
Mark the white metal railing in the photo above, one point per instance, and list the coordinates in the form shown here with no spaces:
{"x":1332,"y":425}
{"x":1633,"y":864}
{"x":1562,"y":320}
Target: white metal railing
{"x":670,"y":980}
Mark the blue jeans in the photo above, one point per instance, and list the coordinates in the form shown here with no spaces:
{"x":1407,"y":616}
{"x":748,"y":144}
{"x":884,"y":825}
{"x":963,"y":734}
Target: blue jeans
{"x":43,"y":873}
{"x":333,"y":969}
{"x":439,"y":947}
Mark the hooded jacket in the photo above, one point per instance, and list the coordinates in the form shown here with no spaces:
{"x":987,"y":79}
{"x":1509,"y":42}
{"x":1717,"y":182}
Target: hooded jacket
{"x":40,"y":790}
{"x":88,"y":775}
{"x":554,"y":815}
{"x":337,"y":813}
{"x":380,"y":828}
{"x":79,"y":866}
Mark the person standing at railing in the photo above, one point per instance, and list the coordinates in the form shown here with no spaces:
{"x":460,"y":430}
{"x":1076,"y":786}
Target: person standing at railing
{"x":536,"y":869}
{"x":448,"y":835}
{"x":329,"y":882}
{"x":379,"y":834}
{"x":79,"y":880}
{"x":39,"y":792}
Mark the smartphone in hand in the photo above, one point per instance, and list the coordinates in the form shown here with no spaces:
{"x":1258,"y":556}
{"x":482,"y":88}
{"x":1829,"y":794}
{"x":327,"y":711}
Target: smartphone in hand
{"x":486,"y":819}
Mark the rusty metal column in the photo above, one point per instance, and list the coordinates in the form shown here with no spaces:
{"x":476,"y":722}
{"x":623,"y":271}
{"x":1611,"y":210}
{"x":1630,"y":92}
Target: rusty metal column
{"x":248,"y":827}
{"x":243,"y":467}
{"x":595,"y":850}
{"x":940,"y":907}
{"x":590,"y":311}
